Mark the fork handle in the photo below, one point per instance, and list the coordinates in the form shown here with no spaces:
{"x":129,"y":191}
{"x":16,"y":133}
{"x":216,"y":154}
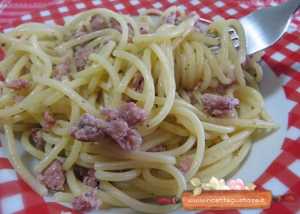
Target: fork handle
{"x":293,"y":5}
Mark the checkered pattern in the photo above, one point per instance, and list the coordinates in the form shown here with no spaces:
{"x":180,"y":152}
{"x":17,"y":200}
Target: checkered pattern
{"x":282,"y":176}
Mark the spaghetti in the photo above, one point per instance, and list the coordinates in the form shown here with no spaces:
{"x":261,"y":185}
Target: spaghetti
{"x":124,"y":109}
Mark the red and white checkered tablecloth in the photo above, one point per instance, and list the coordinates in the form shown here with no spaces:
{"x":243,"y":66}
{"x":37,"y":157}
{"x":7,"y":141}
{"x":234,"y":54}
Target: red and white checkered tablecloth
{"x":283,"y":58}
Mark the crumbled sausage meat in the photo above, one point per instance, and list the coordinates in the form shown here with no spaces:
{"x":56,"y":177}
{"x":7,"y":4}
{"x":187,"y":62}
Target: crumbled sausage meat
{"x":118,"y":126}
{"x":116,"y":25}
{"x":90,"y":179}
{"x":129,"y":112}
{"x":81,"y":56}
{"x":185,"y":164}
{"x":62,"y":69}
{"x":86,"y":175}
{"x":53,"y":177}
{"x":98,"y":22}
{"x":89,"y":128}
{"x":17,"y":84}
{"x":219,"y":106}
{"x":128,"y":138}
{"x":48,"y":120}
{"x":86,"y":201}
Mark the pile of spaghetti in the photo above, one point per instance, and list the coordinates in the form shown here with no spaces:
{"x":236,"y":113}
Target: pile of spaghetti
{"x":119,"y":110}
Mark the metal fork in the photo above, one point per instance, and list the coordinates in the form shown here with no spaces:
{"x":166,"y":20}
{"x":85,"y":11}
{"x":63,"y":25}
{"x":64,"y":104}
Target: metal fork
{"x":266,"y":26}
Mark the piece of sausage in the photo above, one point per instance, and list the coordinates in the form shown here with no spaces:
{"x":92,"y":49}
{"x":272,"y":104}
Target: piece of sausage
{"x":53,"y":177}
{"x":86,"y":201}
{"x":63,"y":69}
{"x":129,"y":112}
{"x":81,"y":56}
{"x":219,"y":106}
{"x":48,"y":121}
{"x":18,"y":84}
